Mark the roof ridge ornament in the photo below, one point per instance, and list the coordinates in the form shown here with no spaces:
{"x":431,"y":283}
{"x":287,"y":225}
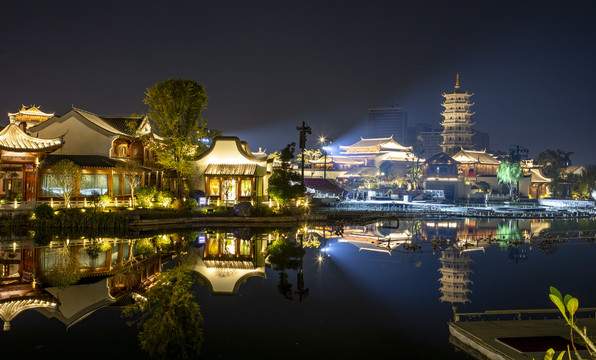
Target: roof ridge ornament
{"x":457,"y":81}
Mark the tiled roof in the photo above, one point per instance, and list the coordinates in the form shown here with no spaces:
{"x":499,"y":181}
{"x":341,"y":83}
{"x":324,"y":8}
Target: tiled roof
{"x":441,"y":158}
{"x":85,"y":161}
{"x":388,"y":143}
{"x":116,"y":124}
{"x":12,"y":138}
{"x":231,"y":169}
{"x":122,"y":123}
{"x":470,"y":156}
{"x":538,"y":177}
{"x":323,"y":185}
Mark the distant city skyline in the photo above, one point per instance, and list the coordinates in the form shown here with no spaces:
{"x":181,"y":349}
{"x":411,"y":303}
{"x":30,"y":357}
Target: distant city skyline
{"x":267,"y":66}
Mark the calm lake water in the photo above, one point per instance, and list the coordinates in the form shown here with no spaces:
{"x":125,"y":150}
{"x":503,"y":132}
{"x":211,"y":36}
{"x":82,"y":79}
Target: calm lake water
{"x":350,"y":296}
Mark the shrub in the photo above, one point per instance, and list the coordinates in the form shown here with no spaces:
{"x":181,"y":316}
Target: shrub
{"x":164,"y":198}
{"x":178,"y":205}
{"x":146,"y":194}
{"x":104,"y":200}
{"x":192,"y":204}
{"x":44,"y":211}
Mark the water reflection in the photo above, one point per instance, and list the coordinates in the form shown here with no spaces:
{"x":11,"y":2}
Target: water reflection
{"x":440,"y":266}
{"x":225,"y":260}
{"x":68,"y":279}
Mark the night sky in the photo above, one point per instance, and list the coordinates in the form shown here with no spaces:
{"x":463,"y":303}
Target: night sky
{"x":267,"y":66}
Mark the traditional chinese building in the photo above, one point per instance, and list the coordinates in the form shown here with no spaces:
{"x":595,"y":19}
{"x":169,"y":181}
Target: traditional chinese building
{"x":441,"y":173}
{"x":230,"y":172}
{"x":374,"y":151}
{"x":98,"y":144}
{"x":20,"y":155}
{"x":457,"y":124}
{"x":29,"y":116}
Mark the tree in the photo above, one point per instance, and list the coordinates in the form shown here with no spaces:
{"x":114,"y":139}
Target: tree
{"x":284,"y":183}
{"x":169,"y":319}
{"x":509,"y":174}
{"x":312,"y":154}
{"x":415,"y":174}
{"x":130,"y":171}
{"x":65,"y":271}
{"x":553,"y":162}
{"x":587,"y":182}
{"x":66,"y":176}
{"x":175,"y":108}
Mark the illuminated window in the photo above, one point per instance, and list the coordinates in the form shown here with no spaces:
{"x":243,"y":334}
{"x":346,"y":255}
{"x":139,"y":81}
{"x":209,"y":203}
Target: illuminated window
{"x":122,"y":150}
{"x":135,"y":151}
{"x":245,"y":187}
{"x":213,"y":246}
{"x":214,"y":187}
{"x":245,"y":247}
{"x":230,"y":246}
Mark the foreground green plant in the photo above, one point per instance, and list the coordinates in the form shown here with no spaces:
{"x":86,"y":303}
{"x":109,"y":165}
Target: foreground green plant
{"x":568,"y":306}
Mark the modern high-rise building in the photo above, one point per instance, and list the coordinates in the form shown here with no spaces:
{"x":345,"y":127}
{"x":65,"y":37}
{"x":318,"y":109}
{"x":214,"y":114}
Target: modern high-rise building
{"x":457,"y":124}
{"x":481,"y":140}
{"x":431,"y":142}
{"x":387,"y":121}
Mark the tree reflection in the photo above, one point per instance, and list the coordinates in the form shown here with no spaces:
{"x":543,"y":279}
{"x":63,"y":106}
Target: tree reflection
{"x":65,"y":271}
{"x":169,"y":317}
{"x":284,"y":255}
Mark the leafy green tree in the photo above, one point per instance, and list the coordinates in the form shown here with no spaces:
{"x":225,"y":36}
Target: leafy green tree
{"x":175,"y":108}
{"x":284,"y":183}
{"x":66,"y":176}
{"x":509,"y":174}
{"x":553,"y":162}
{"x":169,"y":318}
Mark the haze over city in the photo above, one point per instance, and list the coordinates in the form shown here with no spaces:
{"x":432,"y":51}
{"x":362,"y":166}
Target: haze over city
{"x":267,"y":66}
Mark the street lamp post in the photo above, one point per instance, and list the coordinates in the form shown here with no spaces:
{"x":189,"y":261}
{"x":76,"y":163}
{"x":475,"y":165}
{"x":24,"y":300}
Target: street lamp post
{"x":323,"y":141}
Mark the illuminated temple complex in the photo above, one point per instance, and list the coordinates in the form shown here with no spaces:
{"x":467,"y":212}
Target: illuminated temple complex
{"x":457,"y":124}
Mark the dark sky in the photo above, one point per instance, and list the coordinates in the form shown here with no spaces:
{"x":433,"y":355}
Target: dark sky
{"x":269,"y":65}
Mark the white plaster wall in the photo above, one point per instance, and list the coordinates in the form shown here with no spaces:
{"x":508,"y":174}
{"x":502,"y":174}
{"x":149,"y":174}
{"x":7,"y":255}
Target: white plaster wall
{"x":80,"y":139}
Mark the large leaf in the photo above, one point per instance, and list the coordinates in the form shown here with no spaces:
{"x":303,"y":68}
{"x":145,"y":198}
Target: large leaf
{"x":566,"y":299}
{"x":555,"y":291}
{"x":557,"y":301}
{"x":549,"y":354}
{"x":572,"y":306}
{"x":560,"y":357}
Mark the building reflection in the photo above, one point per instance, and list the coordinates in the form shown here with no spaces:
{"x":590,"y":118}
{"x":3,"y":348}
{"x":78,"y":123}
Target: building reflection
{"x":455,"y":276}
{"x":110,"y":270}
{"x":225,"y":260}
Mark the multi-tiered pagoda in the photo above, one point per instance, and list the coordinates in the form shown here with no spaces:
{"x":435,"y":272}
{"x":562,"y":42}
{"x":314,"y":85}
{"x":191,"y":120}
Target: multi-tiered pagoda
{"x":457,"y":125}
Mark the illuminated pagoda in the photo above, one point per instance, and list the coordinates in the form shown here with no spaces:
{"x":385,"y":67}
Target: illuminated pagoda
{"x":29,"y":116}
{"x":455,"y":271}
{"x":457,"y":125}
